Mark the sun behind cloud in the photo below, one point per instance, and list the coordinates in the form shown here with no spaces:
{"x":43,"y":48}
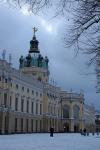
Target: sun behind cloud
{"x":26,"y":11}
{"x":48,"y":27}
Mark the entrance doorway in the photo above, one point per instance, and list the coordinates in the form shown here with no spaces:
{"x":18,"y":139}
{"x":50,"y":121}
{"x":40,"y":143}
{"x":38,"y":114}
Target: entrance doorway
{"x":76,"y":128}
{"x":66,"y":127}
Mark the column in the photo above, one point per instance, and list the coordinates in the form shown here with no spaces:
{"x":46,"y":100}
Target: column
{"x":71,"y":118}
{"x":10,"y":123}
{"x":3,"y":123}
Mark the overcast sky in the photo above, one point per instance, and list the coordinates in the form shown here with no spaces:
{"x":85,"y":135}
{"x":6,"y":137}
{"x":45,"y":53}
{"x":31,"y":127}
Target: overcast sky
{"x":67,"y":70}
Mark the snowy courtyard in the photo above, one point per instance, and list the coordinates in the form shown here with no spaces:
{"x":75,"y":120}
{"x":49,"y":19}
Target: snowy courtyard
{"x":45,"y":142}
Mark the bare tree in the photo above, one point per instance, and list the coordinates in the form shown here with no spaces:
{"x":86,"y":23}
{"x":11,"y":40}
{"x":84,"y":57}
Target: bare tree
{"x":84,"y":34}
{"x":33,"y":5}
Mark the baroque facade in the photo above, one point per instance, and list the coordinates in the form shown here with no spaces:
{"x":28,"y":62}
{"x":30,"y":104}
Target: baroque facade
{"x":89,"y":118}
{"x":97,"y":120}
{"x":29,"y":103}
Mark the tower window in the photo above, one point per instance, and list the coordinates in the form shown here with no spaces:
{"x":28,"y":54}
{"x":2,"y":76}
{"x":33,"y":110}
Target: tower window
{"x":22,"y":88}
{"x":40,"y":94}
{"x":5,"y":80}
{"x":36,"y":93}
{"x":32,"y":92}
{"x":28,"y":90}
{"x":39,"y":79}
{"x":44,"y":74}
{"x":11,"y":84}
{"x":16,"y":86}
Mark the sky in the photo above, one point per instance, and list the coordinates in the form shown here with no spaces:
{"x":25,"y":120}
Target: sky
{"x":69,"y":72}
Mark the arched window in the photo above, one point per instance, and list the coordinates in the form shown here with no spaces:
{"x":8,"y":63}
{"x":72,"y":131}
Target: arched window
{"x":66,"y":110}
{"x":76,"y":111}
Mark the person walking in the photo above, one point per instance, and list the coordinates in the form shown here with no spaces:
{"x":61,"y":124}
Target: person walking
{"x":51,"y":131}
{"x":84,"y":131}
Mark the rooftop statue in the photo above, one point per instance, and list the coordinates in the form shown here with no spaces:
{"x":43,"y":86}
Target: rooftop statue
{"x":47,"y":61}
{"x":29,"y":59}
{"x":21,"y":60}
{"x":40,"y":61}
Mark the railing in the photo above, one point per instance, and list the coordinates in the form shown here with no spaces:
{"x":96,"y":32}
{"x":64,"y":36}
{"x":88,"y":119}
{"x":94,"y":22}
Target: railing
{"x":72,"y":96}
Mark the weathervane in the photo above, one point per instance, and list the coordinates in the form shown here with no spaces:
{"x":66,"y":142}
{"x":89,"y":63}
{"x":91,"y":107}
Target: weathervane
{"x":35,"y":30}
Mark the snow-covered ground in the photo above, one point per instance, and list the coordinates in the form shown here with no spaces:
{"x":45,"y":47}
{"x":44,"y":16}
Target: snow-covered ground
{"x":45,"y":142}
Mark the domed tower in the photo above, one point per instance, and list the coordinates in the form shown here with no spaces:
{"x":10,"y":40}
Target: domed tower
{"x":34,"y":63}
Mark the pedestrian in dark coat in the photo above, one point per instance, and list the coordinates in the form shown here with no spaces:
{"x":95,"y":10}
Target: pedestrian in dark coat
{"x":51,"y":131}
{"x":84,"y":131}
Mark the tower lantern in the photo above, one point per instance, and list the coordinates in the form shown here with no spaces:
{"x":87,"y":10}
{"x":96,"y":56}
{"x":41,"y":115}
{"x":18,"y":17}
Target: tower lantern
{"x":34,"y":63}
{"x":34,"y":43}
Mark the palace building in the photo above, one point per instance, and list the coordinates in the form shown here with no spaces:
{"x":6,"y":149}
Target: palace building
{"x":29,"y":103}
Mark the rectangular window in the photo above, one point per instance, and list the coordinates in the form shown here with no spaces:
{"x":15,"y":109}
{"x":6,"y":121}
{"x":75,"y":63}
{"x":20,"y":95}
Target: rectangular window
{"x":27,"y":125}
{"x":36,"y":108}
{"x":40,"y":94}
{"x":11,"y":84}
{"x":22,"y":88}
{"x":27,"y":106}
{"x":40,"y":109}
{"x":40,"y":125}
{"x":16,"y":86}
{"x":0,"y":78}
{"x":22,"y":105}
{"x":36,"y":93}
{"x":5,"y":99}
{"x":32,"y":107}
{"x":58,"y":112}
{"x":54,"y":110}
{"x":21,"y":124}
{"x":5,"y":80}
{"x":5,"y":124}
{"x":32,"y":125}
{"x":48,"y":109}
{"x":15,"y":124}
{"x":10,"y":101}
{"x":27,"y":90}
{"x":32,"y":92}
{"x":16,"y":104}
{"x":44,"y":74}
{"x":36,"y":125}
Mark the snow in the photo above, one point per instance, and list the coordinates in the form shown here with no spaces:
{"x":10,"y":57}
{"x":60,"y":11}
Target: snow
{"x":42,"y":141}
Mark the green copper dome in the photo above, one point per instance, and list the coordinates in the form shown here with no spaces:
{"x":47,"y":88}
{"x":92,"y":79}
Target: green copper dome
{"x":34,"y":58}
{"x":34,"y":45}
